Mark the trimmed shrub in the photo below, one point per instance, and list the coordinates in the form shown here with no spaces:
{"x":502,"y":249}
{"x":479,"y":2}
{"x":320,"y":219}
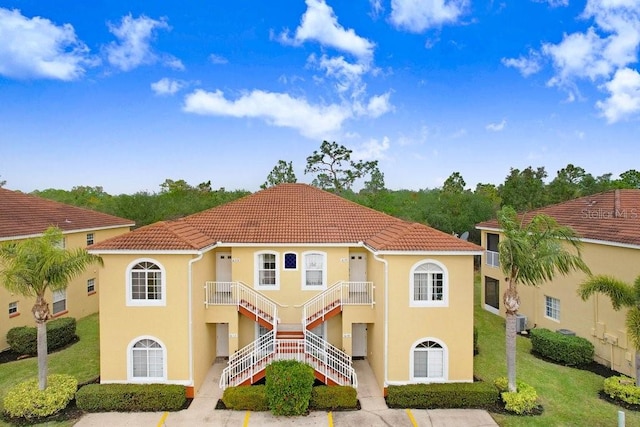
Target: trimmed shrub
{"x":60,"y":332}
{"x":622,"y":388}
{"x":246,"y":398}
{"x":447,"y":395}
{"x":288,"y":385}
{"x":331,"y":398}
{"x":522,"y":401}
{"x":131,"y":397}
{"x":25,"y":400}
{"x":568,"y":350}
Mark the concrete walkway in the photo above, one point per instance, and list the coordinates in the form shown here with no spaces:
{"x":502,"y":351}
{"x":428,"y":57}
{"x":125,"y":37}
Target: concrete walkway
{"x":374,"y":412}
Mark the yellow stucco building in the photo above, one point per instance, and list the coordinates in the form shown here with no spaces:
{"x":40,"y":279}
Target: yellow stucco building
{"x":23,"y":216}
{"x":609,"y":226}
{"x":290,"y":272}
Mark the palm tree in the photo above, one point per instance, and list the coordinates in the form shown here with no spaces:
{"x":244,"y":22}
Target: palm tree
{"x":530,"y":254}
{"x":32,"y":266}
{"x":621,"y":294}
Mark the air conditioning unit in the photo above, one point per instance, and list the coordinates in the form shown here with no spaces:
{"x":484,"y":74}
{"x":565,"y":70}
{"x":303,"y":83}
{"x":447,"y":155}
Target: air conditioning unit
{"x":521,"y":323}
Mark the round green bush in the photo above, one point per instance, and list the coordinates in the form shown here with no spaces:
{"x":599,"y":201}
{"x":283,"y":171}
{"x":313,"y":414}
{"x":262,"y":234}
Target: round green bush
{"x":522,"y":401}
{"x":25,"y":400}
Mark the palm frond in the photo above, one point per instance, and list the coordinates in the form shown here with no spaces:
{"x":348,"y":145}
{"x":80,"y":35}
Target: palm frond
{"x":633,"y":326}
{"x":620,"y":293}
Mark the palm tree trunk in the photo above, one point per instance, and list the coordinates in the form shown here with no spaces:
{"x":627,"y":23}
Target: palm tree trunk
{"x":41,"y":314}
{"x":511,"y":303}
{"x":637,"y":368}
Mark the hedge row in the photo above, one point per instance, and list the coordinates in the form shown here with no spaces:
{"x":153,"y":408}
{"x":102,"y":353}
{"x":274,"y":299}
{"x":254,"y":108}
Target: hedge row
{"x":568,"y":350}
{"x":24,"y":339}
{"x":447,"y":395}
{"x":323,"y":398}
{"x":130,"y":397}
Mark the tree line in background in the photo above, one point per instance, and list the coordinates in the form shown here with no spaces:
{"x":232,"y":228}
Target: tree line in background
{"x":452,"y":208}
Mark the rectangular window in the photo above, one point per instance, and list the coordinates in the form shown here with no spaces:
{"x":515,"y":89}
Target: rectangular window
{"x":59,"y":301}
{"x":428,"y":287}
{"x":267,"y":269}
{"x":13,"y":308}
{"x":91,"y":286}
{"x":314,"y":269}
{"x":492,"y":292}
{"x":552,"y":308}
{"x":89,"y":239}
{"x":493,"y":258}
{"x":290,"y":261}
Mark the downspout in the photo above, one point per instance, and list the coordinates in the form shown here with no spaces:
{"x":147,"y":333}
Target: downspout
{"x":190,"y":310}
{"x":386,"y":317}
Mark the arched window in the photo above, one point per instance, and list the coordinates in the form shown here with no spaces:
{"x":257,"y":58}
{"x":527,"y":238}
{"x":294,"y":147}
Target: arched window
{"x":429,"y":285}
{"x":145,"y":283}
{"x":429,"y":361}
{"x":146,"y":360}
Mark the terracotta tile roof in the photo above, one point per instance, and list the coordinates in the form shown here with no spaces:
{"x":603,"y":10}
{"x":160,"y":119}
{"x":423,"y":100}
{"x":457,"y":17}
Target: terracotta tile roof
{"x":288,"y":214}
{"x":613,"y":216}
{"x":25,"y":215}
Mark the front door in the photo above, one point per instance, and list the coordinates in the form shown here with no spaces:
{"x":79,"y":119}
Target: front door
{"x":358,"y":267}
{"x":223,"y":267}
{"x":359,"y":339}
{"x":222,"y":339}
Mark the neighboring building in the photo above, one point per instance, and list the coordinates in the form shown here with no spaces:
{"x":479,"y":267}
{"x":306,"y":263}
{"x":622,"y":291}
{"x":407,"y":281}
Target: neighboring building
{"x":288,"y":272}
{"x":609,"y":226}
{"x":23,"y":216}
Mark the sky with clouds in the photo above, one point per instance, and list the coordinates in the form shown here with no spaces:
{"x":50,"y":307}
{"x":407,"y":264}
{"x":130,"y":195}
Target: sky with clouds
{"x":124,"y":95}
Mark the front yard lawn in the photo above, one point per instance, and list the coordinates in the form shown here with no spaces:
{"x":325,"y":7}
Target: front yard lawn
{"x":82,"y":360}
{"x":570,"y":396}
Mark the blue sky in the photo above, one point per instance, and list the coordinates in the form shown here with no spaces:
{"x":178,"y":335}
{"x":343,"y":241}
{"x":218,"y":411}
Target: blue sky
{"x":124,"y":95}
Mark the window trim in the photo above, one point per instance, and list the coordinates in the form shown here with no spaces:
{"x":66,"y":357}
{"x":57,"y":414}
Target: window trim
{"x":13,"y":305}
{"x":54,"y":301}
{"x":257,"y":269}
{"x":445,"y":285}
{"x":130,"y":376}
{"x":304,"y":285}
{"x":91,"y":280}
{"x":547,"y":307}
{"x":445,"y":362}
{"x":284,"y":261}
{"x":131,"y":302}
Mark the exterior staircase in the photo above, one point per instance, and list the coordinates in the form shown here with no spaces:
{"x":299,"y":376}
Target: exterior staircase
{"x":288,"y":341}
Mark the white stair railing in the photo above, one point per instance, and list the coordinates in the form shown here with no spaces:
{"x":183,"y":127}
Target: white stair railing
{"x":248,"y":361}
{"x":341,"y":293}
{"x":241,"y":295}
{"x":329,"y":361}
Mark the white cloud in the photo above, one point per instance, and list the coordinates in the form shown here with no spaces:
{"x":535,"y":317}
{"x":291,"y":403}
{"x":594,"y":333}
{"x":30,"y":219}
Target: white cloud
{"x":554,"y":3}
{"x":379,"y":105}
{"x":372,"y":150}
{"x":348,"y":76}
{"x":320,"y":24}
{"x":32,"y":48}
{"x":624,"y":96}
{"x":173,"y":62}
{"x":526,"y":65}
{"x":167,"y":86}
{"x":133,"y":47}
{"x":218,"y":59}
{"x":497,"y":127}
{"x":376,"y":8}
{"x":419,"y":15}
{"x":277,"y":109}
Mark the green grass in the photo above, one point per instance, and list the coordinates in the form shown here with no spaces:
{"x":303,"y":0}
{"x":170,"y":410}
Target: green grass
{"x":569,"y":396}
{"x":82,"y":360}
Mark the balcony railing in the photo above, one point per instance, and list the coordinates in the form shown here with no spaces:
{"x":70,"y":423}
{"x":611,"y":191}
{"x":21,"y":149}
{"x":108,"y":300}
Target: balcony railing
{"x":342,"y":293}
{"x":493,"y":258}
{"x":241,"y":295}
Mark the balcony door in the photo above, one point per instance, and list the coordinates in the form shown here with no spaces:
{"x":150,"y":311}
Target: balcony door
{"x":223,"y":267}
{"x":358,"y":267}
